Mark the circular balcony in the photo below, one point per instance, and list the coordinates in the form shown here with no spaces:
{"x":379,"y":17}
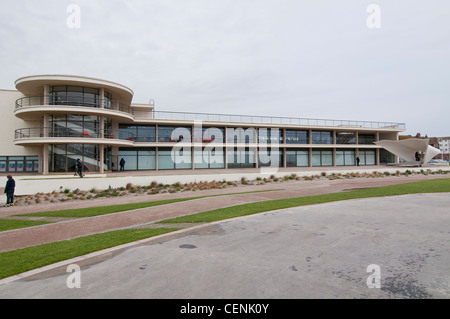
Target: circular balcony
{"x":48,"y":135}
{"x":30,"y":107}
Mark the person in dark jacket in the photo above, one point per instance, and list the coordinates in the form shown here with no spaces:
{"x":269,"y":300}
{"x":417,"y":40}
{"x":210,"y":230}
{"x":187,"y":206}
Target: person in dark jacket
{"x":79,"y":167}
{"x":9,"y":191}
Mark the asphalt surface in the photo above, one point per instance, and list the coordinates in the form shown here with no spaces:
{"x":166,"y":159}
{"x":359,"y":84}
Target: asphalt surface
{"x":318,"y":251}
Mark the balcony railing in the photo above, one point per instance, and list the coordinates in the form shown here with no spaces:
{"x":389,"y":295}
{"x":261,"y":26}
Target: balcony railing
{"x":73,"y":101}
{"x":44,"y":132}
{"x":277,"y":120}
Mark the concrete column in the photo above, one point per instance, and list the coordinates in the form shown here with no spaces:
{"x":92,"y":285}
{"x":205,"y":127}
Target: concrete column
{"x":102,"y":127}
{"x":46,"y":94}
{"x":310,"y":157}
{"x":102,"y":158}
{"x":45,"y":125}
{"x":102,"y":98}
{"x":334,"y":156}
{"x":45,"y":159}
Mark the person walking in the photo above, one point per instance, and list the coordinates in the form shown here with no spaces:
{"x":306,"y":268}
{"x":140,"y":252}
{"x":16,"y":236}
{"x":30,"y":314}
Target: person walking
{"x":122,"y":164}
{"x":9,"y":191}
{"x":79,"y":167}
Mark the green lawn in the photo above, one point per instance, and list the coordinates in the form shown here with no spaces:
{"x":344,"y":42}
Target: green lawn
{"x":18,"y":261}
{"x":6,"y":224}
{"x":22,"y":260}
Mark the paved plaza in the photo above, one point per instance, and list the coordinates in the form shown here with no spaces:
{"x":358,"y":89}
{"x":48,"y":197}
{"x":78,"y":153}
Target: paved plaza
{"x":318,"y":251}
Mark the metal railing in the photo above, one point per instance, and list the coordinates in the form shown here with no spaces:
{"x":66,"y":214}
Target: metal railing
{"x":253,"y":119}
{"x":50,"y":100}
{"x":209,"y":117}
{"x":44,"y":132}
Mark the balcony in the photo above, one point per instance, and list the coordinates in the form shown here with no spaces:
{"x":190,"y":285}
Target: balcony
{"x":48,"y":135}
{"x":32,"y":105}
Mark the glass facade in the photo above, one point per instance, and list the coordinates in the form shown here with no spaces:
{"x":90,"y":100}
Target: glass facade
{"x":297,"y":158}
{"x":367,"y":157}
{"x":297,"y":137}
{"x":322,"y":157}
{"x":209,"y":158}
{"x":345,"y":157}
{"x":268,"y":157}
{"x":322,"y":137}
{"x":345,"y":138}
{"x":241,"y":158}
{"x":366,"y":139}
{"x":241,"y":135}
{"x":73,"y":125}
{"x":270,"y":136}
{"x":174,"y":134}
{"x":137,"y":133}
{"x":63,"y":157}
{"x":77,"y":96}
{"x":137,"y":159}
{"x":19,"y":164}
{"x":172,"y":158}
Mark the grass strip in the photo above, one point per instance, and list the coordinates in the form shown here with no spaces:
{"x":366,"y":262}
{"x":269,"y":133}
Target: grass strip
{"x":22,"y":260}
{"x":9,"y":224}
{"x":103,"y":210}
{"x":431,"y":186}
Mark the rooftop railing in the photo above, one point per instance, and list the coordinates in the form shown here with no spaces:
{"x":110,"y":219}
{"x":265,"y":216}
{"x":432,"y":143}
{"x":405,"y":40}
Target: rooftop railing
{"x":210,"y":117}
{"x":276,"y":120}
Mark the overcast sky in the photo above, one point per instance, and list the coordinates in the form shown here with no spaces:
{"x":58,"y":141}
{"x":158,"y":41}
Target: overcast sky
{"x":295,"y":58}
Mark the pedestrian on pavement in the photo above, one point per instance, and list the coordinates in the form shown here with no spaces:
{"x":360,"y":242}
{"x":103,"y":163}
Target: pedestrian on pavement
{"x":9,"y":191}
{"x":79,"y":167}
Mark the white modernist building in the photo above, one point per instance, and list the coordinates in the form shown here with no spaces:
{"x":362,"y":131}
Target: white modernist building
{"x":50,"y":121}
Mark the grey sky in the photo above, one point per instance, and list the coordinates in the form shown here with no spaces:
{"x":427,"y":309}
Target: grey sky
{"x":295,"y":58}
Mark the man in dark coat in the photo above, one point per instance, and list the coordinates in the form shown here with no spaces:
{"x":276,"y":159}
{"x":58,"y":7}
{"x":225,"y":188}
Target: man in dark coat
{"x":9,"y":191}
{"x":79,"y":167}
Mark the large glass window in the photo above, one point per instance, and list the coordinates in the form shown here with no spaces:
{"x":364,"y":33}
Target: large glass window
{"x":241,"y":135}
{"x":174,"y":134}
{"x":77,"y":96}
{"x":345,"y":138}
{"x":345,"y":157}
{"x":270,"y":136}
{"x":137,"y":158}
{"x":209,"y":158}
{"x":297,"y":158}
{"x":173,"y":158}
{"x":62,"y":158}
{"x":367,"y":157}
{"x":209,"y":134}
{"x":73,"y":125}
{"x":366,"y":139}
{"x":137,"y":133}
{"x":240,"y":158}
{"x":270,"y":158}
{"x":322,"y":137}
{"x":322,"y":157}
{"x":297,"y":137}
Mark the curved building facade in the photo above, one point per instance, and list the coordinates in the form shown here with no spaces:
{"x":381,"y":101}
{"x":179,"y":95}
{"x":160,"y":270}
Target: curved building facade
{"x":52,"y":120}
